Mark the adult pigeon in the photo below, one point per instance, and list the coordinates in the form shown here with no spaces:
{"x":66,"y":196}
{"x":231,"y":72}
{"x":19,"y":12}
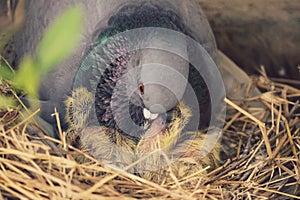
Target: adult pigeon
{"x":143,"y":77}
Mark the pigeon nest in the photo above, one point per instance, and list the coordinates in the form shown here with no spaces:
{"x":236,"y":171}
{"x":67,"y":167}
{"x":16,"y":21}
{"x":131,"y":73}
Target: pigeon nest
{"x":260,"y":153}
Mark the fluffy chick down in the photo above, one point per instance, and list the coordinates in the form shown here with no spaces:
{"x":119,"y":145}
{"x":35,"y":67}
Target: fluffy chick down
{"x":153,"y":156}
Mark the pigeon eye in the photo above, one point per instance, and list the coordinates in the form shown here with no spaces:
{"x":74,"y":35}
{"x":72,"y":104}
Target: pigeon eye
{"x":142,"y":88}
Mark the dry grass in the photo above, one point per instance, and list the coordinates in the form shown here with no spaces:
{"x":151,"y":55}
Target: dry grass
{"x":260,"y":151}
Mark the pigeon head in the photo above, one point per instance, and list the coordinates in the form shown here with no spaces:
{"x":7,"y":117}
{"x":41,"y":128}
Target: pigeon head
{"x":133,"y":82}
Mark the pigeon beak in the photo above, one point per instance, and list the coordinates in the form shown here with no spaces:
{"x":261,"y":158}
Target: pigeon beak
{"x":154,"y":116}
{"x":149,"y":115}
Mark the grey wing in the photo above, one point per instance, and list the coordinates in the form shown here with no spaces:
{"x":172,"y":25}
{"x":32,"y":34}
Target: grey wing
{"x":57,"y":84}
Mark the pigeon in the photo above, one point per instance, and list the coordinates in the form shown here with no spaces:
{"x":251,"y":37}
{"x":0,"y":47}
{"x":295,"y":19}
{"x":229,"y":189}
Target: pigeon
{"x":117,"y":16}
{"x":144,"y":77}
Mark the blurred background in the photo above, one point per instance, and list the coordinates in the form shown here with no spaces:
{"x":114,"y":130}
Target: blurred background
{"x":258,"y":32}
{"x":252,"y":33}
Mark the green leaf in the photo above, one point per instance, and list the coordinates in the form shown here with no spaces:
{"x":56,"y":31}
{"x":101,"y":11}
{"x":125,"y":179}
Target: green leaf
{"x":28,"y":77}
{"x":5,"y":72}
{"x":60,"y":39}
{"x":6,"y":102}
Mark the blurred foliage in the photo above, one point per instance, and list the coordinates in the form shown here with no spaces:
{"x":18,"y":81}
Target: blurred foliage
{"x":5,"y":70}
{"x":58,"y":42}
{"x":6,"y":102}
{"x":60,"y":39}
